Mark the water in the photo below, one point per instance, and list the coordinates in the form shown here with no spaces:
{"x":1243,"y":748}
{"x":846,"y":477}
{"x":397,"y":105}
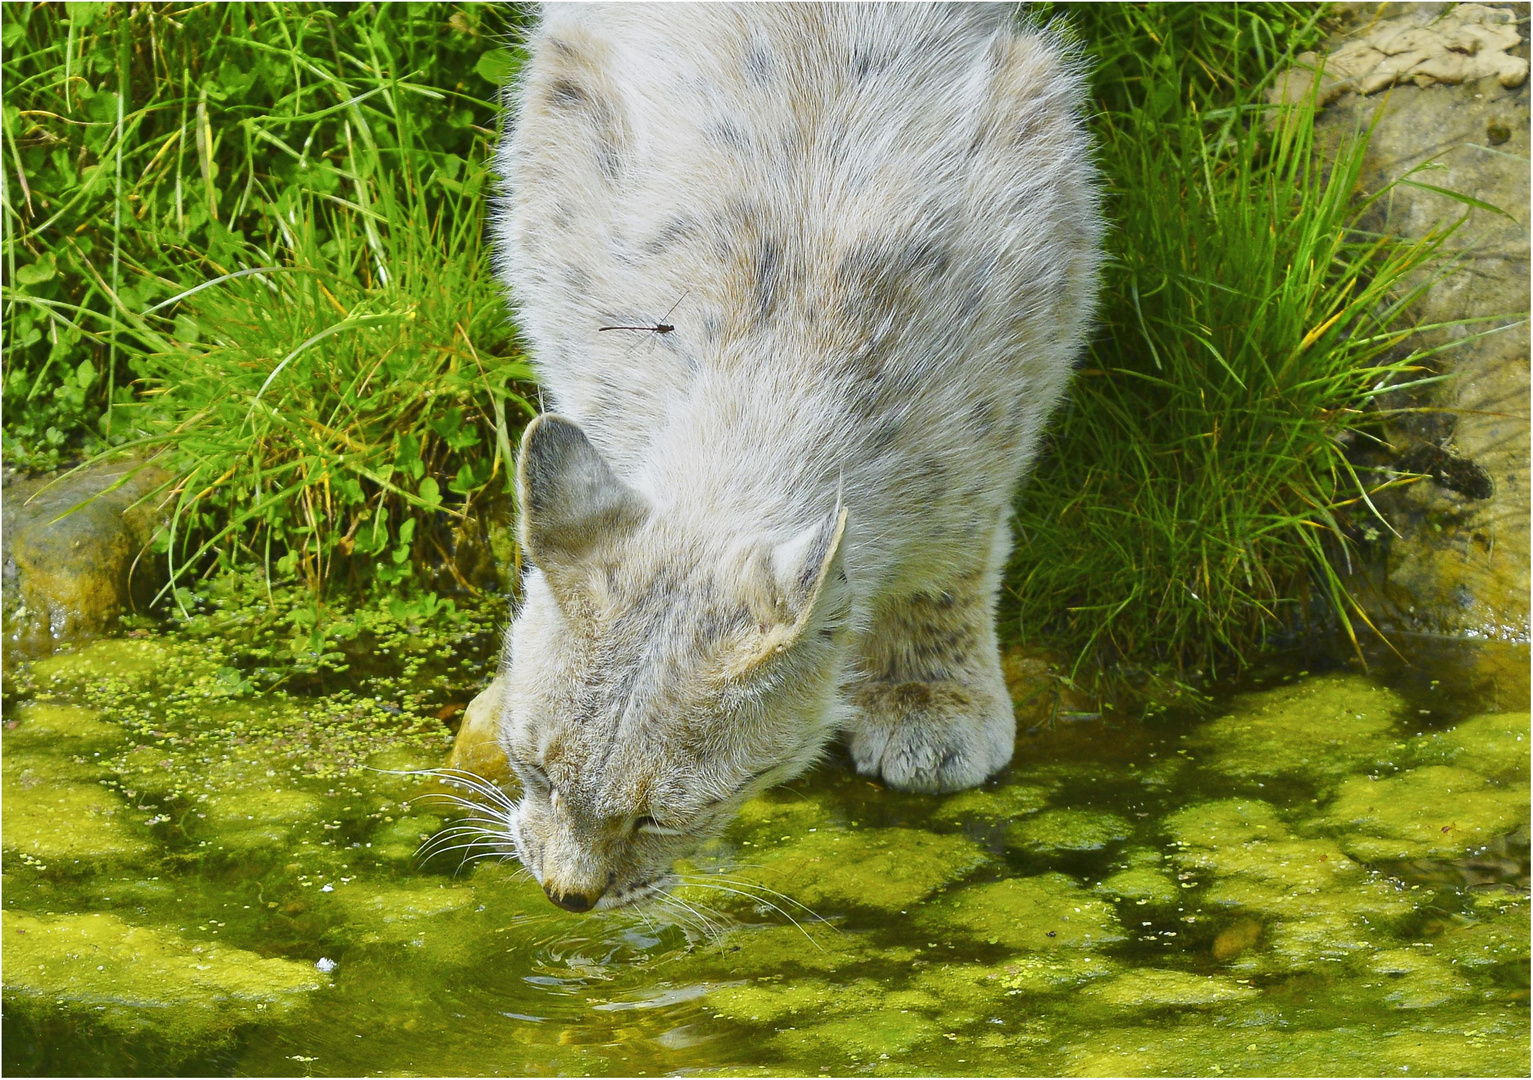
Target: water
{"x":205,"y":873}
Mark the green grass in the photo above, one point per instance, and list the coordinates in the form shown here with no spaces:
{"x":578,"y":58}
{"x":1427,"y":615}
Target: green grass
{"x":1198,"y":489}
{"x":249,"y":239}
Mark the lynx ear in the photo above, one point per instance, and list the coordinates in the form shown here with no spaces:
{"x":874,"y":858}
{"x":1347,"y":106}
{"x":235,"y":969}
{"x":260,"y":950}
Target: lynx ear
{"x":571,"y":500}
{"x":808,"y":586}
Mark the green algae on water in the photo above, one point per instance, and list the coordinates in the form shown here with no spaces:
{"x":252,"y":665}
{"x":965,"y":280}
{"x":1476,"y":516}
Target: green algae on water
{"x":887,"y":869}
{"x":1437,"y":810}
{"x":1206,"y":924}
{"x":993,"y":805}
{"x":1317,"y":729}
{"x":1495,"y":746}
{"x":1045,"y":913}
{"x":129,"y":979}
{"x":1156,"y":988}
{"x":1067,"y":830}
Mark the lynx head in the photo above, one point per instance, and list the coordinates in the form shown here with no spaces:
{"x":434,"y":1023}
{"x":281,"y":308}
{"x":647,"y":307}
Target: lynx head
{"x":659,"y":674}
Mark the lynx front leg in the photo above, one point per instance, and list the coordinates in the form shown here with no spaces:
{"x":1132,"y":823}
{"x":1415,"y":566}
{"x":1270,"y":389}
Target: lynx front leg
{"x":932,"y":711}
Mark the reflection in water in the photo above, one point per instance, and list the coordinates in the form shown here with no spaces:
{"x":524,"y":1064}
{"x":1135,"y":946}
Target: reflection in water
{"x":1328,"y":875}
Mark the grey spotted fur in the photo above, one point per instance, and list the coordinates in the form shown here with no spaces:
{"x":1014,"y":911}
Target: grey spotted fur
{"x":874,"y":231}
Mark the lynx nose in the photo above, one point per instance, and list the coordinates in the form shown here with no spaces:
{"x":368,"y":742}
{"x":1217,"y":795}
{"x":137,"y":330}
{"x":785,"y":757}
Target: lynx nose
{"x":573,"y":901}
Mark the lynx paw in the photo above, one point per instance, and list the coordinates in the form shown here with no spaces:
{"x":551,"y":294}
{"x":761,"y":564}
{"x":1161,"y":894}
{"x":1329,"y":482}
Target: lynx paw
{"x":933,"y":737}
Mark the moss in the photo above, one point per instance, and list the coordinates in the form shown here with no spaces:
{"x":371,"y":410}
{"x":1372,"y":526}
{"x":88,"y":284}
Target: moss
{"x":1067,"y":830}
{"x":1495,"y":746}
{"x":133,"y":979}
{"x":1437,"y":810}
{"x":887,"y":869}
{"x":1316,"y":730}
{"x":993,"y":805}
{"x":1046,"y":913}
{"x":1152,"y":988}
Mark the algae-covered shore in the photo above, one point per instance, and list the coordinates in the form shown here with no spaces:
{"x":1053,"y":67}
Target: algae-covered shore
{"x":1328,"y":875}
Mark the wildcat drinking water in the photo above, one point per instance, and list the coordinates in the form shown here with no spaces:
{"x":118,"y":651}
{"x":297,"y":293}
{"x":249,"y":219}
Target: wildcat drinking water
{"x":871,"y":235}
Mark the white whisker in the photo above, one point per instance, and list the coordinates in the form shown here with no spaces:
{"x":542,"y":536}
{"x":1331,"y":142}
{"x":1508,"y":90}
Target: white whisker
{"x":744,"y":884}
{"x":762,"y":900}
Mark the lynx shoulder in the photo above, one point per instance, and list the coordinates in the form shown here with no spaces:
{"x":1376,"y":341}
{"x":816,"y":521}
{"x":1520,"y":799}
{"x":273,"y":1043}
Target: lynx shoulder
{"x":802,"y":284}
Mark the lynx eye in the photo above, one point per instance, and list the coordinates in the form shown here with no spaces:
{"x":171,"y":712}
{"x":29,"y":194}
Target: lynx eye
{"x":647,"y":824}
{"x":534,"y":778}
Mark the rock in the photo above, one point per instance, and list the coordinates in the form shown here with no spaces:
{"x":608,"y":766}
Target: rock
{"x":477,"y":749}
{"x":1041,"y":692}
{"x":1422,"y":44}
{"x":1459,"y":564}
{"x":75,"y":551}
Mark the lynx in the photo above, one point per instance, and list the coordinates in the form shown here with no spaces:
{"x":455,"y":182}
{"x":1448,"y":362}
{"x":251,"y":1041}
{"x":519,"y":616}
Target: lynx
{"x":802,"y":284}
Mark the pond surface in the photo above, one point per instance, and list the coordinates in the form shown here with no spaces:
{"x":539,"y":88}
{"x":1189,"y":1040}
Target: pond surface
{"x":205,"y":873}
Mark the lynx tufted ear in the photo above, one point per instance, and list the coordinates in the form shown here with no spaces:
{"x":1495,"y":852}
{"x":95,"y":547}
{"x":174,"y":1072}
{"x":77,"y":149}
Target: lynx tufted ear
{"x":808,"y":587}
{"x":571,"y":501}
